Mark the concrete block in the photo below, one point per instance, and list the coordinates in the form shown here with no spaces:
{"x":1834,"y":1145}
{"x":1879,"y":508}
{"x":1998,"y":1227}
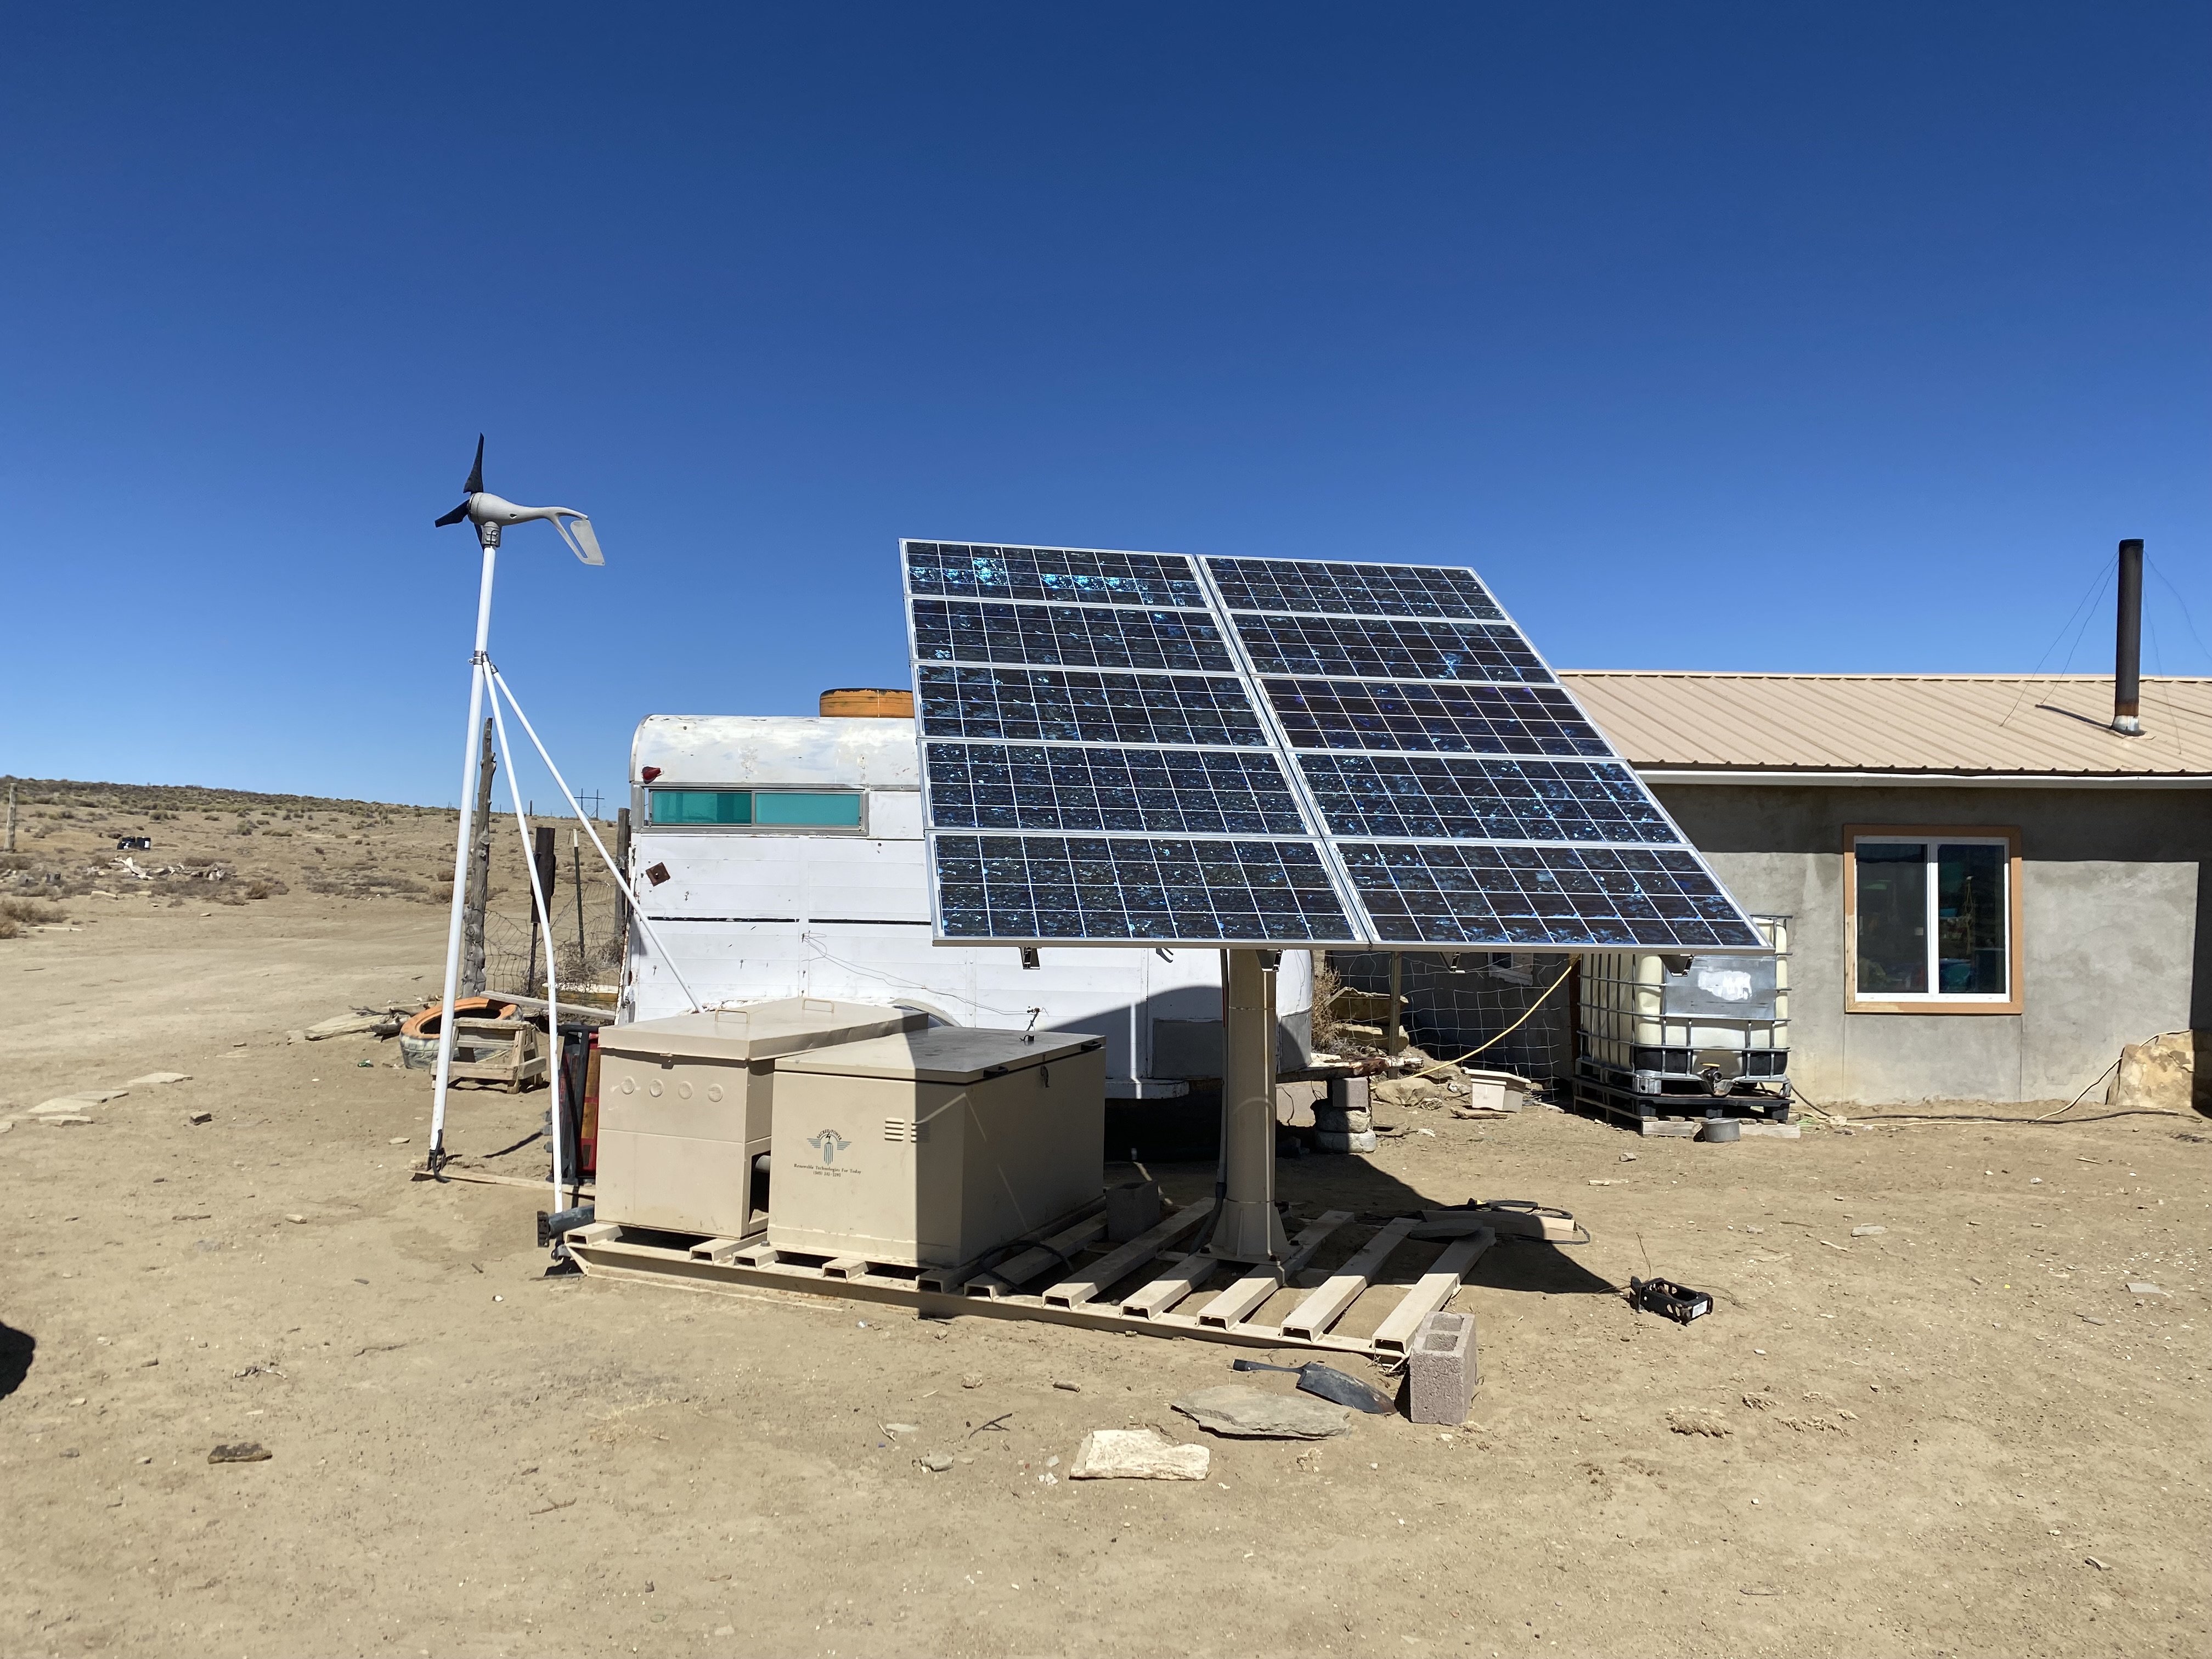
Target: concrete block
{"x":1440,"y":1369}
{"x":1132,"y":1208}
{"x":1345,"y":1143}
{"x":1349,"y":1094}
{"x":1343,"y":1123}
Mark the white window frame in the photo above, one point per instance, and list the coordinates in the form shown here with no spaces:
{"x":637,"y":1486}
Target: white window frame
{"x":1933,"y":1000}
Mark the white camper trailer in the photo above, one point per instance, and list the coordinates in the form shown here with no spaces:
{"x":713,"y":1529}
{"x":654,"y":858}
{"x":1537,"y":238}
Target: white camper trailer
{"x":781,"y":857}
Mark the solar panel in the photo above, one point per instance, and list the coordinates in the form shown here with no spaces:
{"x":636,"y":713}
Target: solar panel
{"x":1392,"y":649}
{"x":1328,"y":587}
{"x":966,"y":571}
{"x":1133,"y":748}
{"x":1482,"y":720}
{"x":1147,"y":890}
{"x":1473,"y":894}
{"x":1081,"y":706}
{"x":1234,"y":792}
{"x":1088,"y":636}
{"x":1439,"y":798}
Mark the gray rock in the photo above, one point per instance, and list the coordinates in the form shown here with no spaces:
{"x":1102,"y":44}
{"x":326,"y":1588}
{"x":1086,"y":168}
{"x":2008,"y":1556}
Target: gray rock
{"x":1249,"y":1412}
{"x":1334,"y":1143}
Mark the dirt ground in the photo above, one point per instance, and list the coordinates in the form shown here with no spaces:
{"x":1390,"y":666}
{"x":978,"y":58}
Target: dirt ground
{"x":1963,"y":1435}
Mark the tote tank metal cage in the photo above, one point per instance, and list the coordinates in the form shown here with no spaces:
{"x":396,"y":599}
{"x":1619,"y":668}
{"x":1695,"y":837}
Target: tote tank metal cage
{"x":1664,"y":1034}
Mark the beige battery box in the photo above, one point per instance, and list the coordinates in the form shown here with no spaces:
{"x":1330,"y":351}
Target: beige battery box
{"x":930,"y":1149}
{"x":687,"y":1103}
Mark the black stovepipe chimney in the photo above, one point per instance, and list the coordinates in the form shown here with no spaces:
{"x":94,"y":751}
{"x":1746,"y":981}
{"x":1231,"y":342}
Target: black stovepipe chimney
{"x":2127,"y":652}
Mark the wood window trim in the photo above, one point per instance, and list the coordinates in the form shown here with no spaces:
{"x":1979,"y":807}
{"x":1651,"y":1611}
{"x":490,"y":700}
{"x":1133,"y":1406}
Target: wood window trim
{"x":2009,"y":834}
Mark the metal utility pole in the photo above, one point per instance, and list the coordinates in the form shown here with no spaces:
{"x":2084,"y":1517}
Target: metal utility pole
{"x":479,"y":894}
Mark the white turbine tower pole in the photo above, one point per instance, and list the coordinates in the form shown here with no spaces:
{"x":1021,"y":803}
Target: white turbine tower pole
{"x":488,"y":514}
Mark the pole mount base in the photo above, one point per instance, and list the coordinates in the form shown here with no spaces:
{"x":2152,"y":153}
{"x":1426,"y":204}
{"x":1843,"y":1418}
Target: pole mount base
{"x":1249,"y":1229}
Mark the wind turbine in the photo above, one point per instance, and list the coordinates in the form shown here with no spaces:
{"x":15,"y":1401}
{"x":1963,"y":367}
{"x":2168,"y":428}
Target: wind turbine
{"x":491,"y":514}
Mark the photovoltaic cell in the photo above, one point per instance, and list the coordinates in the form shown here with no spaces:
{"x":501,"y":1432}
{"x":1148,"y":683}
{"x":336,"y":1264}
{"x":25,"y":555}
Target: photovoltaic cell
{"x":1084,"y":636}
{"x":974,"y":785}
{"x":960,"y":570}
{"x":1492,"y":720}
{"x":1474,"y":894}
{"x":1083,"y":706}
{"x":1449,"y":797}
{"x":1325,"y":587}
{"x":1390,"y":648}
{"x":1064,"y":887}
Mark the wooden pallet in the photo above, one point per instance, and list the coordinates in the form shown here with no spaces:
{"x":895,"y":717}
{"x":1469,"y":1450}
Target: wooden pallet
{"x":1072,"y":1278}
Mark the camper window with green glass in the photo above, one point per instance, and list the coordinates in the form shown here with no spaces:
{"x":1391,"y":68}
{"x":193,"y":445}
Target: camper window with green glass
{"x":754,"y":808}
{"x":1931,"y":919}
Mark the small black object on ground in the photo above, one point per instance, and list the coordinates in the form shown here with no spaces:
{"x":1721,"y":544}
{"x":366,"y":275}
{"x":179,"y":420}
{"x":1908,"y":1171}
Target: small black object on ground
{"x":1666,"y":1297}
{"x":1331,"y":1384}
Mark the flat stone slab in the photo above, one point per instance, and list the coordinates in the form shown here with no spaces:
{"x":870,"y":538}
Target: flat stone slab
{"x":1251,"y":1414}
{"x":152,"y":1078}
{"x":1137,"y":1455}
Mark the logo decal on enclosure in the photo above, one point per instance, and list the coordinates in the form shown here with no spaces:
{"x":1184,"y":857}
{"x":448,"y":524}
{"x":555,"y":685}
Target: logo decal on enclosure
{"x":831,"y":1144}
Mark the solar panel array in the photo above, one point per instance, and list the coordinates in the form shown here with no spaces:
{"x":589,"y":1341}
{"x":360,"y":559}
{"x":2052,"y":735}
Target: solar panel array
{"x":1152,"y":748}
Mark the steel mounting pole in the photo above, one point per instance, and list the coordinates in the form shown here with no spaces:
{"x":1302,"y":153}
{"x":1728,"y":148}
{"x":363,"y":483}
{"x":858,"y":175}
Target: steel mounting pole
{"x":1249,"y":1228}
{"x":479,"y":672}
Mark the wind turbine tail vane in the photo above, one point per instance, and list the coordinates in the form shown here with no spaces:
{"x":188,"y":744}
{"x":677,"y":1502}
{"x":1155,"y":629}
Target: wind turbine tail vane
{"x":576,"y":529}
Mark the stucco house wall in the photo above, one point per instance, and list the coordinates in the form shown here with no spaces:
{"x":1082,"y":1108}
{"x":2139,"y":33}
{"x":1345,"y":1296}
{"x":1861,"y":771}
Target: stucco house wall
{"x":2114,"y":933}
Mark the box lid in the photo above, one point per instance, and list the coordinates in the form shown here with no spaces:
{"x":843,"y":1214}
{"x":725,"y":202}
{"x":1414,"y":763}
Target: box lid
{"x":950,"y":1054}
{"x":760,"y":1030}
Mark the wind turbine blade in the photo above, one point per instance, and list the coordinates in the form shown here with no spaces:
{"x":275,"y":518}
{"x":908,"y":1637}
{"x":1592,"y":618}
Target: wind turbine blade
{"x":475,"y":485}
{"x":453,"y":517}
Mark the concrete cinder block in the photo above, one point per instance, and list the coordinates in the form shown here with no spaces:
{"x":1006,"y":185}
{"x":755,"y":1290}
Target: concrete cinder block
{"x":1348,"y":1094}
{"x":1440,"y":1369}
{"x":1132,"y":1208}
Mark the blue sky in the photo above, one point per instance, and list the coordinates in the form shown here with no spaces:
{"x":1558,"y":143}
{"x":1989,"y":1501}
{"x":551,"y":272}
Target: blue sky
{"x":1844,"y":337}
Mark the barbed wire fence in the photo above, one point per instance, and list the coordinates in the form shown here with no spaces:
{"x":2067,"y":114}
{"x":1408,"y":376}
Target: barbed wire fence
{"x":595,"y":960}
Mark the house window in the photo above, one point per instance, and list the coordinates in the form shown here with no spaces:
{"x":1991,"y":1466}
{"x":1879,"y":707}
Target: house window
{"x":1933,"y":919}
{"x":755,"y":808}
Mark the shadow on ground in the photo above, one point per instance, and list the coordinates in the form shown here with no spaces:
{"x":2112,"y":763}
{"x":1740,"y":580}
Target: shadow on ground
{"x":17,"y":1348}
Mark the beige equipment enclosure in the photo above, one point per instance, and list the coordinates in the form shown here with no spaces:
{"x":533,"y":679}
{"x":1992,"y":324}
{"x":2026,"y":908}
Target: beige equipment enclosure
{"x":686,"y":1106}
{"x":933,"y":1148}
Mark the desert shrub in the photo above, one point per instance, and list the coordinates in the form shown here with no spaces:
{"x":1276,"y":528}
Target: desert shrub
{"x":1327,"y":1028}
{"x":19,"y":911}
{"x":9,"y":929}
